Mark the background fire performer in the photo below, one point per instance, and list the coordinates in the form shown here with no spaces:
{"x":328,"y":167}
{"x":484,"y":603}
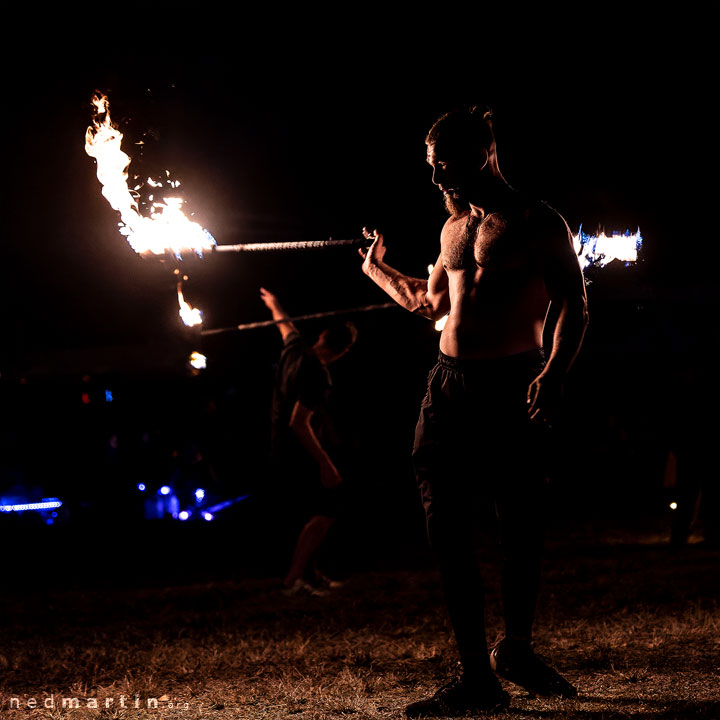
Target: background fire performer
{"x":301,"y":435}
{"x":503,"y":260}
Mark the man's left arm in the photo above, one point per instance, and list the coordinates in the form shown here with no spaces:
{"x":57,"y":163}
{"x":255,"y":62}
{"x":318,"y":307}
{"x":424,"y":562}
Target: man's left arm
{"x":566,"y":286}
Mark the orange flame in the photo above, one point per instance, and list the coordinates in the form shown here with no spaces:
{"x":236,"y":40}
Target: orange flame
{"x":167,"y":229}
{"x":190,"y":316}
{"x":198,"y":360}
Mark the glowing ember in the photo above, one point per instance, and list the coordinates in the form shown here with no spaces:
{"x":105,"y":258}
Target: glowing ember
{"x":599,"y":250}
{"x":190,"y":316}
{"x":167,"y":229}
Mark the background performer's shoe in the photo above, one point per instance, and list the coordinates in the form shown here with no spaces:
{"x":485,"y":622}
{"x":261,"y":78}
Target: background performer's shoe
{"x":520,"y":665}
{"x":329,"y":583}
{"x":460,"y":697}
{"x":300,"y":588}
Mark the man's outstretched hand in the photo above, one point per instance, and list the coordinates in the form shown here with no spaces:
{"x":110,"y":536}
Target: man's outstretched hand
{"x":373,"y":254}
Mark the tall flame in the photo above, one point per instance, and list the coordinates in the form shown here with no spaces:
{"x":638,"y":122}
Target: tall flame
{"x":167,"y":229}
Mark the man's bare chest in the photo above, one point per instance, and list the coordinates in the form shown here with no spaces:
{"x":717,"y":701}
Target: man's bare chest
{"x":497,"y":243}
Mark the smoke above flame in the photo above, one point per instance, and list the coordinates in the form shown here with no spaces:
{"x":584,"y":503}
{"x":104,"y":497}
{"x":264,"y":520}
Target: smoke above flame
{"x":167,"y":229}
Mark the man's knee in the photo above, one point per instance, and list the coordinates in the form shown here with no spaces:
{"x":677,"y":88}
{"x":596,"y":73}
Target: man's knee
{"x":450,"y":540}
{"x":523,"y":548}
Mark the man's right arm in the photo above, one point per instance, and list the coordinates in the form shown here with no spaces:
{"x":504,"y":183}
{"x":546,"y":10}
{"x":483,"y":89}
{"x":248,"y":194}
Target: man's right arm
{"x":429,"y":298}
{"x":566,"y":286}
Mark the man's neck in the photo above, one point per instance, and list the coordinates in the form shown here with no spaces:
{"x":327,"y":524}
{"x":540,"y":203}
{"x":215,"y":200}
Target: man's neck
{"x":491,"y":197}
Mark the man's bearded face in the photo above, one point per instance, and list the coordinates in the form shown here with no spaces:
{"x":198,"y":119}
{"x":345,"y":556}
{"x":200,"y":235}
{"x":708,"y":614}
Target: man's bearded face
{"x":456,"y":175}
{"x":455,"y":202}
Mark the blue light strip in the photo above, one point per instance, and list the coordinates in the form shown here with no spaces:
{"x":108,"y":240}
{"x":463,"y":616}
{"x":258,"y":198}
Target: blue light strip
{"x":44,"y":505}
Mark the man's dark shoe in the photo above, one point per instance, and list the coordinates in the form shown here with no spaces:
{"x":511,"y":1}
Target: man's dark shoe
{"x":520,"y":665}
{"x":462,"y":696}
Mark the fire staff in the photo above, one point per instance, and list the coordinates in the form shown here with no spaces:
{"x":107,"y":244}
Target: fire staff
{"x":504,"y":259}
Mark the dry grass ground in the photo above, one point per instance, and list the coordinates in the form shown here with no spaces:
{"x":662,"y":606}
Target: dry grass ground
{"x":634,"y":624}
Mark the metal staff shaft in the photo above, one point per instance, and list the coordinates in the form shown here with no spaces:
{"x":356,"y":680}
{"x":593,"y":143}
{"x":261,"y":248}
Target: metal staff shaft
{"x":311,"y":316}
{"x":299,"y":245}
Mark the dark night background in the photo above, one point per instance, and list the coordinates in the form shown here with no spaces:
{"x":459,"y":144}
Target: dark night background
{"x":315,"y":140}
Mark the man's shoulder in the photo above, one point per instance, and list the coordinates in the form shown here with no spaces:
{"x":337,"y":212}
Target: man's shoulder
{"x":293,"y":338}
{"x":453,"y":220}
{"x":544,"y":223}
{"x":293,"y":355}
{"x":294,"y":344}
{"x":297,"y":358}
{"x":544,"y":216}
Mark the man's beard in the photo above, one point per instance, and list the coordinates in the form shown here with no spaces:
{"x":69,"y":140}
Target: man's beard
{"x":455,"y":204}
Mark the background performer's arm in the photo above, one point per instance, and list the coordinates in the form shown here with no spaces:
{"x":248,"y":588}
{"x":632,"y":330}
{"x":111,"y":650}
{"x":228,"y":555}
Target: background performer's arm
{"x":284,"y":325}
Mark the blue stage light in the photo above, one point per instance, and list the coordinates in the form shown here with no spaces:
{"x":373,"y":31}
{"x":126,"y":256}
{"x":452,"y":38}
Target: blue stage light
{"x":141,"y":487}
{"x":199,"y":494}
{"x":183,"y":515}
{"x":165,"y":490}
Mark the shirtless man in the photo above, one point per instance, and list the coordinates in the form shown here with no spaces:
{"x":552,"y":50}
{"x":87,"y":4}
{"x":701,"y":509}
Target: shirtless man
{"x":506,"y":265}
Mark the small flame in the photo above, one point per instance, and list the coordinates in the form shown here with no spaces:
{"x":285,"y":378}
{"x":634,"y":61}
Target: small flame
{"x":198,"y":360}
{"x":167,"y":228}
{"x":190,"y":316}
{"x":599,"y":250}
